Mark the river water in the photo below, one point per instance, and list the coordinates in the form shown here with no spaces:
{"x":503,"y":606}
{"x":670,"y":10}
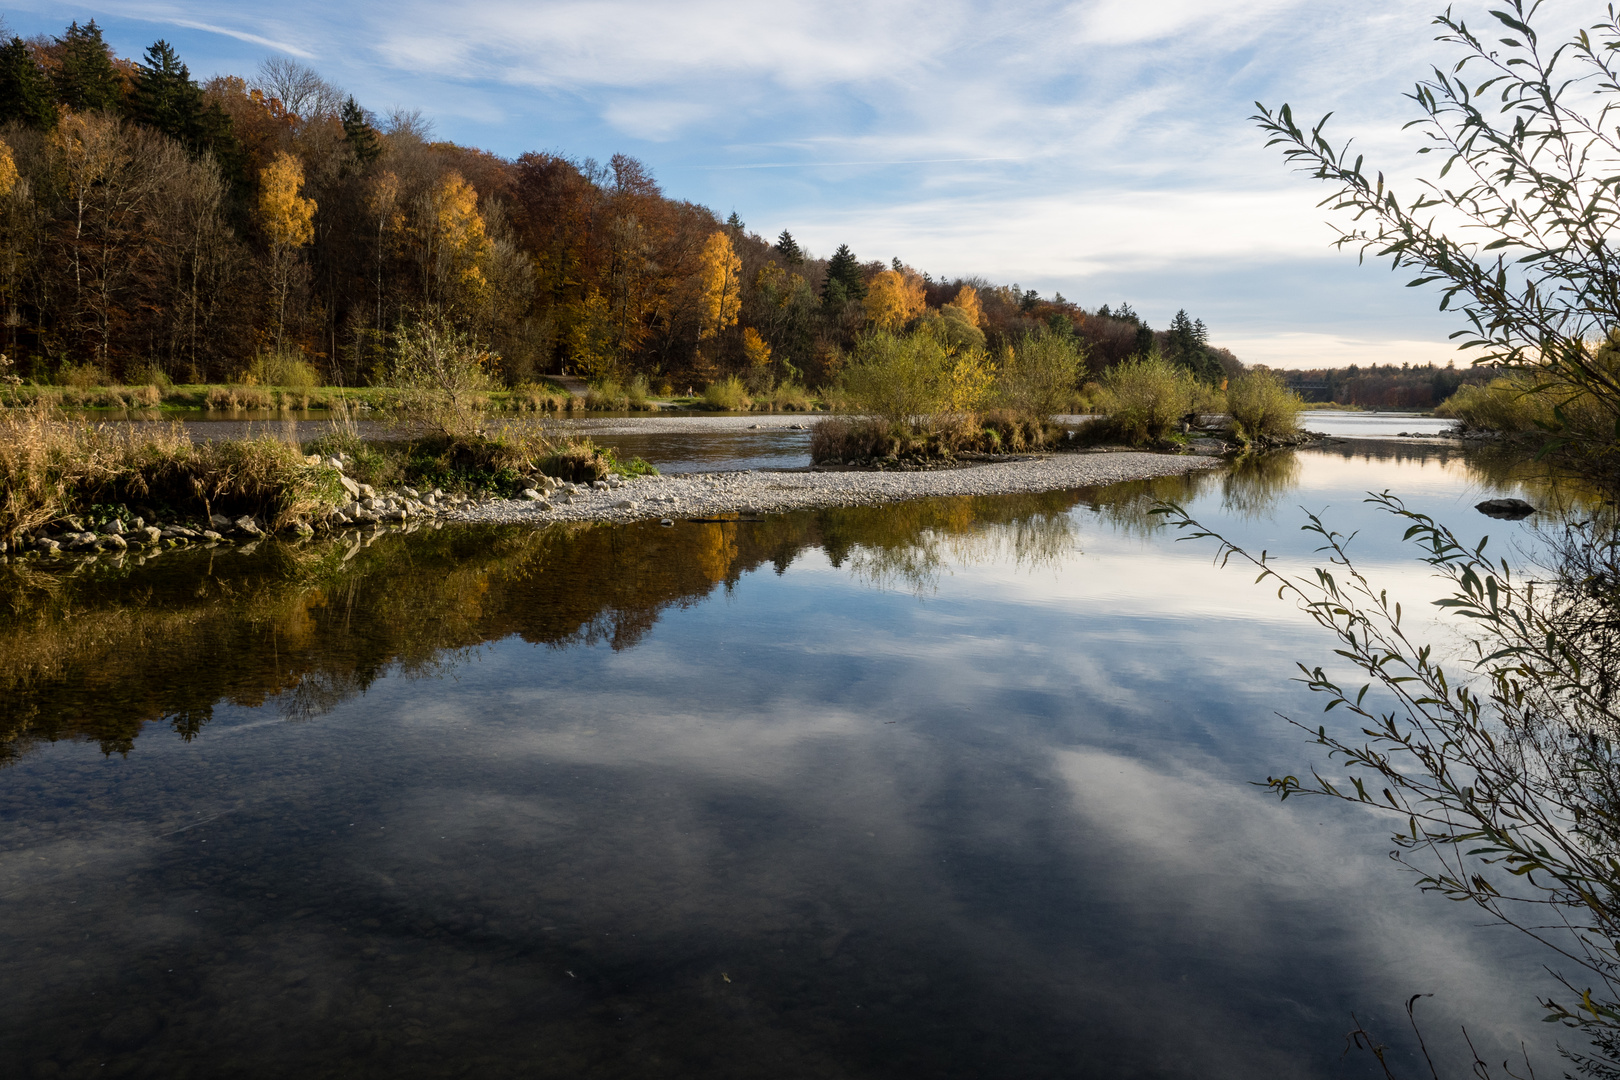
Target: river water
{"x":953,"y":788}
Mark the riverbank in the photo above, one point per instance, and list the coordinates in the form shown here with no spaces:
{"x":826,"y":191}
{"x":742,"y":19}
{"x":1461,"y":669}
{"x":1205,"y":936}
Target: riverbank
{"x":748,"y":493}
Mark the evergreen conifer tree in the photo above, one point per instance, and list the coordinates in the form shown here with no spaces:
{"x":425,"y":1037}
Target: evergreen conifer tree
{"x":86,"y":79}
{"x":844,"y":281}
{"x":789,"y":249}
{"x":25,"y":93}
{"x":362,"y":138}
{"x":165,"y":98}
{"x":734,"y":222}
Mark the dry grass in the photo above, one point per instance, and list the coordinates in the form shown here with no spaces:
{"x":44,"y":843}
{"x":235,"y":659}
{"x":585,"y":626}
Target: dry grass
{"x":238,"y":399}
{"x":51,"y":466}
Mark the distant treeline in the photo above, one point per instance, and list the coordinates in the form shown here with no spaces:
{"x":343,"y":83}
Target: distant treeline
{"x":152,"y":226}
{"x":1385,"y":386}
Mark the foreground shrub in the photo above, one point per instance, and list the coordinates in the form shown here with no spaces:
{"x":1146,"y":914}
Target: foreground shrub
{"x":1144,"y":398}
{"x":1262,"y":406}
{"x":729,"y":394}
{"x":446,"y":376}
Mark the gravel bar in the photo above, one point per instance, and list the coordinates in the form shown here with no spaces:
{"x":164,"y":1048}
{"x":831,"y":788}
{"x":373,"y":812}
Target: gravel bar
{"x":704,"y":495}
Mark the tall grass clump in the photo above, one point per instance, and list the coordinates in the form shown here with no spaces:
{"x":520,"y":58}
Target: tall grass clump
{"x":728,"y":394}
{"x":284,"y":367}
{"x":1144,"y":398}
{"x":1262,"y":406}
{"x":790,"y":396}
{"x":606,"y":396}
{"x":51,"y":466}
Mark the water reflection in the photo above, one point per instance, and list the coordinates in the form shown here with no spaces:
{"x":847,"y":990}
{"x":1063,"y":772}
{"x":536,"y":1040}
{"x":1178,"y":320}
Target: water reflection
{"x":670,"y":802}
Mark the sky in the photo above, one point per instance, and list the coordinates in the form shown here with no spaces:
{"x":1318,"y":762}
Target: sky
{"x":1100,"y":149}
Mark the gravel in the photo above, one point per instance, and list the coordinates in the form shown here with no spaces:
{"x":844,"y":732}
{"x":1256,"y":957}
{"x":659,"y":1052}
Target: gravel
{"x":700,"y":495}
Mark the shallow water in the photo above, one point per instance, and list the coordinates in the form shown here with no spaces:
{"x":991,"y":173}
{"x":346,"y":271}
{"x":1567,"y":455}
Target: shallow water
{"x":953,"y":788}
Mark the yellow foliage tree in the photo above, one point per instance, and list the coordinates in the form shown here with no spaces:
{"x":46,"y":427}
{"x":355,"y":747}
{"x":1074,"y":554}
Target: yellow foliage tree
{"x":8,"y":170}
{"x":967,"y":299}
{"x":756,"y":349}
{"x":894,"y":298}
{"x":287,"y":220}
{"x":969,"y":381}
{"x":453,"y":244}
{"x":285,"y":215}
{"x":590,"y":336}
{"x":719,"y":285}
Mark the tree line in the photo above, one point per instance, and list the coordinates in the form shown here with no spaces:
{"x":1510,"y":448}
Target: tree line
{"x":156,"y":227}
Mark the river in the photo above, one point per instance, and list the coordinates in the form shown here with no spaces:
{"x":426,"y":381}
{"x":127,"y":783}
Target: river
{"x":961,"y":787}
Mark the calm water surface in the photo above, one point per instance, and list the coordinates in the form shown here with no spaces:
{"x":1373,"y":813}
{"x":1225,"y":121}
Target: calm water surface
{"x":956,"y":788}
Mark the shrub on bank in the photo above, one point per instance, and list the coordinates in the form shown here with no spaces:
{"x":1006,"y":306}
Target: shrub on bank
{"x":1038,"y":377}
{"x":1262,"y":406}
{"x":727,"y":394}
{"x":1145,"y":398}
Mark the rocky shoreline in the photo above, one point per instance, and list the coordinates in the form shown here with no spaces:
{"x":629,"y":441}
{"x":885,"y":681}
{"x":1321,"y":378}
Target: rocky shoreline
{"x":748,"y":493}
{"x":139,"y":531}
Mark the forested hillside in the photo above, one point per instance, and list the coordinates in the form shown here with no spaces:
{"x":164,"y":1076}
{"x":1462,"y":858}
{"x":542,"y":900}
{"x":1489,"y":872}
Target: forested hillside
{"x":152,"y":226}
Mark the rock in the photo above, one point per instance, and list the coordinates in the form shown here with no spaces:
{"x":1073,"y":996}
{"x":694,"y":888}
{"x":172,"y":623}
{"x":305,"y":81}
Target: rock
{"x":666,"y":522}
{"x":111,"y":542}
{"x":410,"y":492}
{"x":212,"y":536}
{"x":115,"y":527}
{"x":532,"y":495}
{"x":313,"y":459}
{"x":79,"y":541}
{"x":367,"y":492}
{"x":349,"y":486}
{"x":247,"y":526}
{"x":544,"y":504}
{"x":49,"y":547}
{"x":336,"y":463}
{"x":152,"y":534}
{"x":753,"y":427}
{"x":178,"y":532}
{"x":625,"y":504}
{"x":599,"y":485}
{"x":1506,"y":509}
{"x":74,"y":523}
{"x":219,"y":521}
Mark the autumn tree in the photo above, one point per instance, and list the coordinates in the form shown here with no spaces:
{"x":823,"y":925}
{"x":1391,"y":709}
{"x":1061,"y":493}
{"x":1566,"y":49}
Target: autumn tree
{"x":287,"y":220}
{"x":450,"y":245}
{"x":719,"y":287}
{"x":894,"y":298}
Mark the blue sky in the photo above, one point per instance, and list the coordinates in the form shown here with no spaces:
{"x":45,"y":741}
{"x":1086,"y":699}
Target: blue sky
{"x":1100,"y":149}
